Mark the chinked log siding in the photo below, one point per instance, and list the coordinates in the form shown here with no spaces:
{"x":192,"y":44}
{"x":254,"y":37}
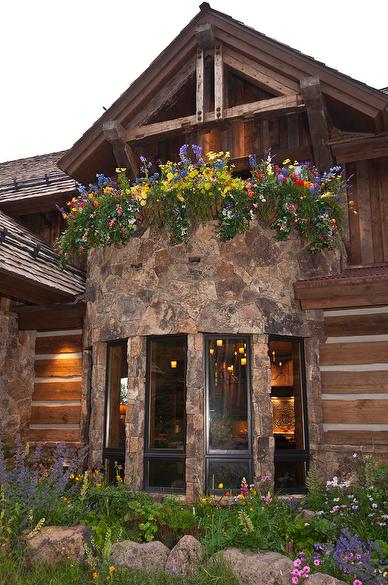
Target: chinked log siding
{"x":354,"y":377}
{"x":57,"y":397}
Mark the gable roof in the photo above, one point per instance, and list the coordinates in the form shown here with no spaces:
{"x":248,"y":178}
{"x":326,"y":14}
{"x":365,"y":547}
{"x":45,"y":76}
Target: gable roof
{"x":24,"y":182}
{"x":29,"y":268}
{"x":268,"y":53}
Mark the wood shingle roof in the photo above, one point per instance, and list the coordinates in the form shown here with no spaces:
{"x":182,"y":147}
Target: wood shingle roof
{"x":29,"y":268}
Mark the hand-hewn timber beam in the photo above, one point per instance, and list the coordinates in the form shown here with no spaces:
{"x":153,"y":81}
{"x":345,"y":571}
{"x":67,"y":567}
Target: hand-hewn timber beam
{"x":204,"y":34}
{"x":255,"y":72}
{"x":311,"y":91}
{"x":5,"y":304}
{"x":114,"y":133}
{"x":218,"y":82}
{"x":363,"y":149}
{"x":200,"y":85}
{"x":166,"y":96}
{"x":280,"y":105}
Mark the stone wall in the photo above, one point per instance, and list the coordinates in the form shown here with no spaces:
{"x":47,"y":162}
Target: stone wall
{"x":244,"y":286}
{"x":17,"y":350}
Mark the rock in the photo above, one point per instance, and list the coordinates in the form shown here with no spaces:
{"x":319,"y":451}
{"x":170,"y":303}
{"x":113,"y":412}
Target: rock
{"x":268,"y":568}
{"x":305,"y":515}
{"x":54,"y":544}
{"x":149,"y":556}
{"x":185,"y":557}
{"x":322,"y":579}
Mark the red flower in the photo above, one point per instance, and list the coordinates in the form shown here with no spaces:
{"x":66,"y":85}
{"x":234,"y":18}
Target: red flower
{"x":300,"y":183}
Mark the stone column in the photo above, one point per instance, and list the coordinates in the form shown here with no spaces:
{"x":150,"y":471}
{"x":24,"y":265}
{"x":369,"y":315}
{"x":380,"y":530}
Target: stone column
{"x":195,"y":422}
{"x":315,"y":336}
{"x":96,"y":430}
{"x":262,"y":422}
{"x":134,"y":422}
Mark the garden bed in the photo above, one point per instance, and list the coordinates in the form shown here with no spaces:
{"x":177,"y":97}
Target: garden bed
{"x":338,"y":529}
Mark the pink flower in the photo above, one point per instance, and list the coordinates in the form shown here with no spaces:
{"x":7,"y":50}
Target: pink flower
{"x":306,"y":570}
{"x":357,"y":582}
{"x":295,"y":572}
{"x":295,"y":580}
{"x":297,"y":563}
{"x":317,"y":562}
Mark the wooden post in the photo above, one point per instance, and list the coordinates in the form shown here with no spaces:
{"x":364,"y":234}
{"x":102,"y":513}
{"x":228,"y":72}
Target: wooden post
{"x":311,"y":91}
{"x":200,"y":85}
{"x":124,"y":155}
{"x":218,"y":82}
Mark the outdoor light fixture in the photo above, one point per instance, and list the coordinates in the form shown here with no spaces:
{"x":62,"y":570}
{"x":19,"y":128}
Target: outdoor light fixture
{"x":219,"y":342}
{"x":230,"y":368}
{"x":211,"y":351}
{"x":173,"y":364}
{"x":244,"y":361}
{"x":241,"y":350}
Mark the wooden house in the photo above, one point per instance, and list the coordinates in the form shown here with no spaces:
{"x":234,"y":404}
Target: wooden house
{"x":131,"y":359}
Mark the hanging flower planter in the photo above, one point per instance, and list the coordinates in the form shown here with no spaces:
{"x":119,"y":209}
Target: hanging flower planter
{"x":291,"y":197}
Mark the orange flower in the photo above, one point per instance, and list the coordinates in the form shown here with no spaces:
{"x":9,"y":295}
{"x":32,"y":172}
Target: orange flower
{"x":95,"y":203}
{"x":94,"y":575}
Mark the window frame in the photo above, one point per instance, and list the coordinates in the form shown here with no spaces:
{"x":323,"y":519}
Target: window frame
{"x":150,"y":454}
{"x":107,"y":452}
{"x":296,"y":455}
{"x":231,"y":455}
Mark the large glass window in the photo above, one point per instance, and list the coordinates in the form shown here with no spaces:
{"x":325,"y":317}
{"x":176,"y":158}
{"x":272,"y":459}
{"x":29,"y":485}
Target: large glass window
{"x":166,"y":407}
{"x":228,"y":457}
{"x":289,"y":413}
{"x":115,"y":408}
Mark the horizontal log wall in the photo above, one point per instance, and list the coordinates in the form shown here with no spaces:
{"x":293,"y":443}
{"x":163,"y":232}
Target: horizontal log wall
{"x":369,"y":225}
{"x":56,"y":401}
{"x":354,"y":377}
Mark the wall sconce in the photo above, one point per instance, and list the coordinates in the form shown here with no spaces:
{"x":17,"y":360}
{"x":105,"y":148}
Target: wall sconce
{"x":244,"y":361}
{"x":173,"y":364}
{"x":219,"y":342}
{"x":241,"y":350}
{"x":211,"y":350}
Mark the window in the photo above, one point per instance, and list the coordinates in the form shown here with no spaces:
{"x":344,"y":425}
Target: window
{"x":228,"y":453}
{"x":115,"y":408}
{"x":289,"y":413}
{"x":164,"y":461}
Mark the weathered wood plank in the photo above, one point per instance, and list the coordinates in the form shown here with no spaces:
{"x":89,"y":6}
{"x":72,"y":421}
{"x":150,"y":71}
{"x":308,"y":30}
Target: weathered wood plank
{"x":383,"y":166}
{"x":354,"y":382}
{"x":364,"y":213}
{"x":354,"y":353}
{"x":218,"y":82}
{"x":55,"y":414}
{"x":355,"y":411}
{"x":374,"y":147}
{"x":356,"y":325}
{"x":51,"y":318}
{"x":58,"y":367}
{"x":65,"y":344}
{"x":356,"y":437}
{"x":376,"y":210}
{"x":62,"y":435}
{"x":57,"y":391}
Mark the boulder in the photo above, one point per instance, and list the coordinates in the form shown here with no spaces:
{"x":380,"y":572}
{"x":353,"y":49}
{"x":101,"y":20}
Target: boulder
{"x":322,"y":579}
{"x":306,"y":515}
{"x":149,"y":556}
{"x":53,"y":544}
{"x":268,"y":568}
{"x":185,"y":557}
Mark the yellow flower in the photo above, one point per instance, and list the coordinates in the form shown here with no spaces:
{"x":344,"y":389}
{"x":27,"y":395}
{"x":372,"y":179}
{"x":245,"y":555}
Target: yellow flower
{"x":120,"y":170}
{"x":287,"y":161}
{"x":143,"y":202}
{"x":180,"y":198}
{"x":203,"y":501}
{"x":66,"y":501}
{"x":220,"y":486}
{"x":94,"y":575}
{"x":112,"y":568}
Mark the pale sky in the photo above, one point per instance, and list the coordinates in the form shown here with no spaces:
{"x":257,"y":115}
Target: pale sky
{"x":62,"y":61}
